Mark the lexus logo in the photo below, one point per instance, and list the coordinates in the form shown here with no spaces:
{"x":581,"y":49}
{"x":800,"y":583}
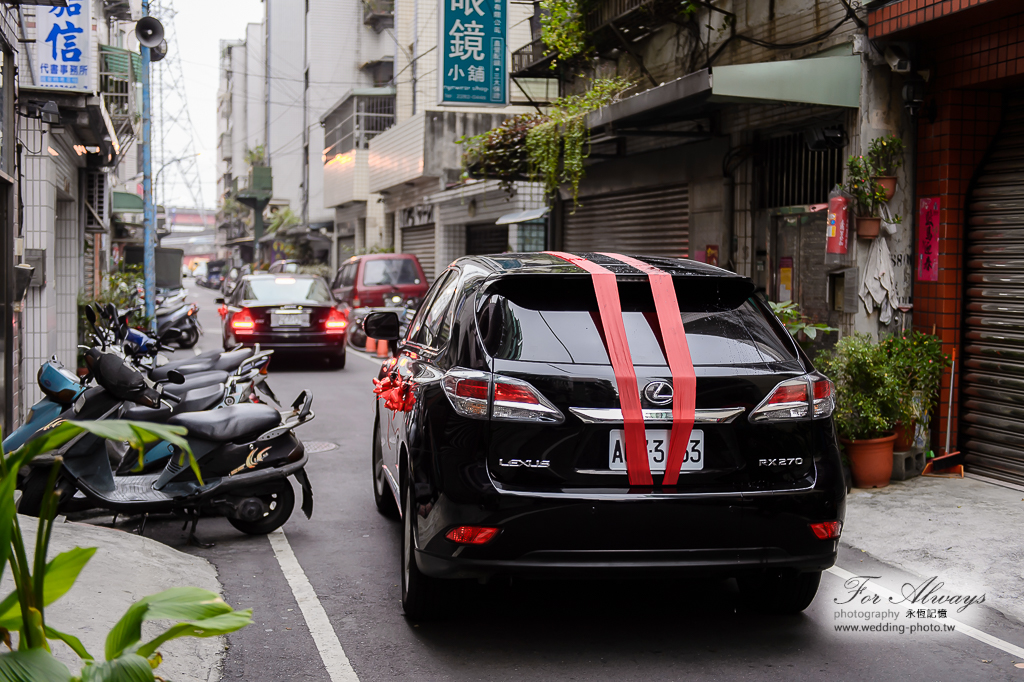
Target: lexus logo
{"x":658,"y":392}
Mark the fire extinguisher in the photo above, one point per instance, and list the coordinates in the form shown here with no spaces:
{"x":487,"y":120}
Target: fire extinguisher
{"x":838,"y":226}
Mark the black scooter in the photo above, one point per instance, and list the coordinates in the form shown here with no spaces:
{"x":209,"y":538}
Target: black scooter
{"x":246,"y":454}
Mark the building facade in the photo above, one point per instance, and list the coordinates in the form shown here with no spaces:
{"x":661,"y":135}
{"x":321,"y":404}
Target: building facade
{"x":965,"y":73}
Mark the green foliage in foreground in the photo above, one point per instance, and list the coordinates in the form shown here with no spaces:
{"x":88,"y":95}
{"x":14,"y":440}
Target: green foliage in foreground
{"x":39,"y":583}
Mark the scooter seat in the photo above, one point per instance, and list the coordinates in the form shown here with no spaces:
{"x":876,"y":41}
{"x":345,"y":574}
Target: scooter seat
{"x":197,"y":380}
{"x":227,"y":362}
{"x":203,"y":398}
{"x":228,"y":423}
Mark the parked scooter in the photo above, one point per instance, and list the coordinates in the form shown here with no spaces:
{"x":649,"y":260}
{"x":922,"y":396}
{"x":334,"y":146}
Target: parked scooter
{"x":246,"y":453}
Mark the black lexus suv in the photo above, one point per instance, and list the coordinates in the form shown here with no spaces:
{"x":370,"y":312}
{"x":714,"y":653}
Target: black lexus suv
{"x":499,"y":432}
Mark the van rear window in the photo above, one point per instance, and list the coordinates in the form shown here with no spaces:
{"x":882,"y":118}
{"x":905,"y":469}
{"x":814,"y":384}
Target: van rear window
{"x":563,"y":327}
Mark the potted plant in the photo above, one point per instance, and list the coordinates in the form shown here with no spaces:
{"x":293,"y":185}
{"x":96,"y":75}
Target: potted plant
{"x":867,"y":406}
{"x":918,"y":362}
{"x":868,"y":196}
{"x":885,"y":157}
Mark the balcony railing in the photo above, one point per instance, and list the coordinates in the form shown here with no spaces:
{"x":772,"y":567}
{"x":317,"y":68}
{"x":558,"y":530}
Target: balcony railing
{"x":380,"y":14}
{"x":120,"y":71}
{"x":533,"y":59}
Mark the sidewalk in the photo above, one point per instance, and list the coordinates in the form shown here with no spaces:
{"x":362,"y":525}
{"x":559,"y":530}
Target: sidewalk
{"x":125,"y":568}
{"x":966,"y":531}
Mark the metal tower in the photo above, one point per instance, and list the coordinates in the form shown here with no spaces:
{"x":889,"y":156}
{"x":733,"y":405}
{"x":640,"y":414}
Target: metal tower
{"x":175,"y":155}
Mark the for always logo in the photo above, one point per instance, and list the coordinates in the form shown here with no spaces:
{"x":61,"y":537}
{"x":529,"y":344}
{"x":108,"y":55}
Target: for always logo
{"x":252,"y":460}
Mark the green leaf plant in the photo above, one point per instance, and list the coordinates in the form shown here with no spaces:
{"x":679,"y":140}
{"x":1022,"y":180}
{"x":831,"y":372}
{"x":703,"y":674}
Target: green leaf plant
{"x":39,"y":583}
{"x":548,"y":148}
{"x":918,"y":361}
{"x":868,"y":387}
{"x":796,"y":322}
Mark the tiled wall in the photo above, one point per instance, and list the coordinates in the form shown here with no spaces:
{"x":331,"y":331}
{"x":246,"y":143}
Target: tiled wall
{"x":67,"y":280}
{"x":902,"y":15}
{"x":968,"y":108}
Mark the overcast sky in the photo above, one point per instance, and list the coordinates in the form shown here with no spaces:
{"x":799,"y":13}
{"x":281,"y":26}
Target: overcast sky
{"x":200,"y":25}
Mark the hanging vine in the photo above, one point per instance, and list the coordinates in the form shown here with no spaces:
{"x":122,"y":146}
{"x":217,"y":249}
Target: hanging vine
{"x":549,"y":149}
{"x":563,"y":29}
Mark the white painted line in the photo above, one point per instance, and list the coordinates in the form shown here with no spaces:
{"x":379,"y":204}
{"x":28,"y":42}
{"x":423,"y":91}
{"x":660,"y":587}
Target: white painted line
{"x":371,"y":358}
{"x":962,"y":628}
{"x":319,"y":625}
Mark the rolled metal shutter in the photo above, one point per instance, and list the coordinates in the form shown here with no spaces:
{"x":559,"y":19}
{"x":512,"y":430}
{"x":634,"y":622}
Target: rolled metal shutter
{"x":992,"y":408}
{"x":653,"y":221}
{"x":419,"y":241}
{"x":484,"y":239}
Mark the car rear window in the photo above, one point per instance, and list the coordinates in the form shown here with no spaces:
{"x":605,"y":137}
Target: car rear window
{"x":563,"y":327}
{"x":286,"y":290}
{"x":388,"y":271}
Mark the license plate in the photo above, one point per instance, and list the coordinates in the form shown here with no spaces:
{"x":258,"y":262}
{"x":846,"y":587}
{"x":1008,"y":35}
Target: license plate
{"x":289,"y":319}
{"x":657,"y":450}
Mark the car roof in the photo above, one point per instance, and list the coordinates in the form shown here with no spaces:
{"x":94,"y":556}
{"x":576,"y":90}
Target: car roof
{"x":278,"y":275}
{"x":540,"y":263}
{"x":382,"y":256}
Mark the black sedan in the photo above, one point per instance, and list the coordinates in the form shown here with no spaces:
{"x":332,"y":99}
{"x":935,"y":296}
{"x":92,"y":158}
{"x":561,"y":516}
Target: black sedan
{"x":555,"y":414}
{"x":287,"y":313}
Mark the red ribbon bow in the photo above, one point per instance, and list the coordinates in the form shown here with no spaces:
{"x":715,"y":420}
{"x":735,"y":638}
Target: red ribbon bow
{"x":396,"y":392}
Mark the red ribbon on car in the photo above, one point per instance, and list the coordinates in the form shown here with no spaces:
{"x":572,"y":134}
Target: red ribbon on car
{"x":677,"y":352}
{"x":609,"y":307}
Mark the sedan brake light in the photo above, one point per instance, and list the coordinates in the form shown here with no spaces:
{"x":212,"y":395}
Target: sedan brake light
{"x":481,"y":395}
{"x":336,"y":322}
{"x":242,"y":322}
{"x":810,"y":396}
{"x":827,"y":530}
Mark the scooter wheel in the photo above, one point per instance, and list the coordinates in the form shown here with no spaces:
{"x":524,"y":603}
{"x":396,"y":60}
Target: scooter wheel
{"x":189,"y":338}
{"x":279,"y":503}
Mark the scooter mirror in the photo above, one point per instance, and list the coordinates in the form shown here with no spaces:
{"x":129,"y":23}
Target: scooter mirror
{"x":90,"y":314}
{"x":175,"y":377}
{"x":111,"y":311}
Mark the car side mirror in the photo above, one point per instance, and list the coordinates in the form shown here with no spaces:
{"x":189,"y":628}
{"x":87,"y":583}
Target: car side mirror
{"x":175,"y":377}
{"x":219,"y":299}
{"x":382,"y":326}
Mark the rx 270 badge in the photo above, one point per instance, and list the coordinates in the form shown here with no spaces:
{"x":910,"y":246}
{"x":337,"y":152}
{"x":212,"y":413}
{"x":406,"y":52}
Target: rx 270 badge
{"x":780,"y":461}
{"x":532,"y":463}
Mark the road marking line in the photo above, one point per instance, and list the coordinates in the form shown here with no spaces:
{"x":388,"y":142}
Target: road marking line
{"x":962,"y":628}
{"x":326,"y":640}
{"x":371,"y":358}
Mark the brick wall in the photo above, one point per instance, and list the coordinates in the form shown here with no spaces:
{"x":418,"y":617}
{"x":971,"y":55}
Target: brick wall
{"x":900,"y":16}
{"x":949,"y":151}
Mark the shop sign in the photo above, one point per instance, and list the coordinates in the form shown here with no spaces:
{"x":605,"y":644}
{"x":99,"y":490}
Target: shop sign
{"x":928,"y":240}
{"x":421,"y":214}
{"x":472,"y":61}
{"x":63,"y":47}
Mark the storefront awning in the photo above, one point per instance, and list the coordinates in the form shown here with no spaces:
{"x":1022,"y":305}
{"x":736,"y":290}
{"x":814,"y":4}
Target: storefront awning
{"x":126,"y":202}
{"x":826,"y":81}
{"x":522,"y":216}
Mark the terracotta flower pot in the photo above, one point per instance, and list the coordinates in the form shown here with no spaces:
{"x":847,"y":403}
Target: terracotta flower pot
{"x":904,"y":436}
{"x":870,"y":461}
{"x":888,"y":183}
{"x":868,"y":228}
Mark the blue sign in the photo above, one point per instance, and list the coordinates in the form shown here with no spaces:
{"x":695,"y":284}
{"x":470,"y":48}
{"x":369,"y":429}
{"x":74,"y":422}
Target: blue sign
{"x":473,"y":64}
{"x":63,"y":39}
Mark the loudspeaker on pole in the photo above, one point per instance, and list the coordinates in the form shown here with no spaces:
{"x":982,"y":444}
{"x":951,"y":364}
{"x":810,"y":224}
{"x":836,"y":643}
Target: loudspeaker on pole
{"x":150,"y":32}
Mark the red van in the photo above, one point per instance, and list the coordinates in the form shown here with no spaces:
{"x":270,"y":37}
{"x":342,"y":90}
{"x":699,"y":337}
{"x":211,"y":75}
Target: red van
{"x":365,"y":281}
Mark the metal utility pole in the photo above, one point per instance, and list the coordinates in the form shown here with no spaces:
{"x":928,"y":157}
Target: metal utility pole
{"x":149,"y":214}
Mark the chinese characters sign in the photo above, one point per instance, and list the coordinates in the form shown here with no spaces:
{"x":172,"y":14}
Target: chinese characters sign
{"x":928,"y":240}
{"x":63,"y":46}
{"x":472,"y":62}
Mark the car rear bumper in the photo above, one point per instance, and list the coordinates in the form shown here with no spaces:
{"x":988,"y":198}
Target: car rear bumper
{"x":725,"y":535}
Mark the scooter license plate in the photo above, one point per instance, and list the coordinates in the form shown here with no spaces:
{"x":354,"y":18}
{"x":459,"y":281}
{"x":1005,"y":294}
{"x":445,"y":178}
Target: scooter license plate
{"x":289,"y":319}
{"x":657,"y":450}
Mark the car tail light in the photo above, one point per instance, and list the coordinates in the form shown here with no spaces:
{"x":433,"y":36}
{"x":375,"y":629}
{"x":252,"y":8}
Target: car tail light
{"x":810,"y":396}
{"x":242,"y":322}
{"x":468,"y":391}
{"x":481,"y":395}
{"x":471,"y":535}
{"x":336,"y":322}
{"x":827,"y":530}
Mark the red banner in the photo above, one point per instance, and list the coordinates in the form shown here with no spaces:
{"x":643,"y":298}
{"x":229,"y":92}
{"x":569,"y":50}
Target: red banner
{"x":928,"y":240}
{"x":677,"y":353}
{"x":610,"y":308}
